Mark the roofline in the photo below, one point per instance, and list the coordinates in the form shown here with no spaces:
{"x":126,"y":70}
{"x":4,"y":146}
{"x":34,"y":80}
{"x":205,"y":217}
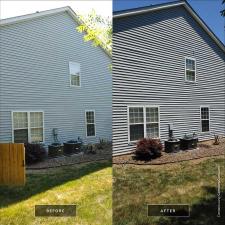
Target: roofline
{"x":185,"y":4}
{"x":18,"y":19}
{"x":145,"y":9}
{"x":68,"y":9}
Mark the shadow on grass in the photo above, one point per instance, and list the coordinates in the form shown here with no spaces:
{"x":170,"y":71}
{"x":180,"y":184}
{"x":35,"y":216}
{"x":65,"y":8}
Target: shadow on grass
{"x":40,"y":182}
{"x":204,"y":212}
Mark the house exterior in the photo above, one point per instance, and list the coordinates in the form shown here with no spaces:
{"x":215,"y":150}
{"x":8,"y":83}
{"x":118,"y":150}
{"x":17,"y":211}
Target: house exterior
{"x":52,"y":83}
{"x":168,"y":69}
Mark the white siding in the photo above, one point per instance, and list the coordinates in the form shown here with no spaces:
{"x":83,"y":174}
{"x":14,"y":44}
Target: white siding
{"x":34,"y":75}
{"x":149,"y":53}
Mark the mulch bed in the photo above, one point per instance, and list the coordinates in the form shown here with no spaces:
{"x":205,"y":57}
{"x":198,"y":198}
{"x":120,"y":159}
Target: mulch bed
{"x":105,"y":154}
{"x":204,"y":149}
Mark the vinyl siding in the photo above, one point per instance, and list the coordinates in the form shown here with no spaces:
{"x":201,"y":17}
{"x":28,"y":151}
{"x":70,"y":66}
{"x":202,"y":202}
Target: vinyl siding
{"x":34,"y":75}
{"x":149,"y":53}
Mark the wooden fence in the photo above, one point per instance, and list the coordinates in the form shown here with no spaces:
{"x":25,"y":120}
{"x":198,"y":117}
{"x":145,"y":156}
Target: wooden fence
{"x":12,"y":164}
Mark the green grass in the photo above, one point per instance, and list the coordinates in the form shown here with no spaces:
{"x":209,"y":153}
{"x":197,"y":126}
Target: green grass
{"x":192,"y":182}
{"x":88,"y":186}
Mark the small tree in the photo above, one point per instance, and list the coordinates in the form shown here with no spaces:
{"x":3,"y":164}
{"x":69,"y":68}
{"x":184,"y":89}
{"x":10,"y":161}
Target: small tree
{"x":97,"y":29}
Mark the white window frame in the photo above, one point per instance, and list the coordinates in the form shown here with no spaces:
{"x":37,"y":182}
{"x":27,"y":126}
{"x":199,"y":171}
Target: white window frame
{"x":144,"y":112}
{"x":71,"y":85}
{"x":204,"y":106}
{"x":190,"y":70}
{"x":90,"y":110}
{"x":128,"y":121}
{"x":28,"y":121}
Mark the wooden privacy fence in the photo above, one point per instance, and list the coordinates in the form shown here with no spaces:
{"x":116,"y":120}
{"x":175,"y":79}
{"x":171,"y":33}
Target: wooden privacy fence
{"x":12,"y":164}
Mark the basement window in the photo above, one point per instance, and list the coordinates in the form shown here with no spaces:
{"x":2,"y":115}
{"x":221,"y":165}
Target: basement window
{"x":205,"y":119}
{"x":27,"y":127}
{"x":152,"y":122}
{"x":74,"y":74}
{"x":90,"y":123}
{"x":143,"y":122}
{"x":190,"y":69}
{"x":136,"y":123}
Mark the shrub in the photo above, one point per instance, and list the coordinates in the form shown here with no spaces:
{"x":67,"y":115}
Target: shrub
{"x":34,"y":153}
{"x":148,"y":148}
{"x":92,"y":149}
{"x":103,"y":144}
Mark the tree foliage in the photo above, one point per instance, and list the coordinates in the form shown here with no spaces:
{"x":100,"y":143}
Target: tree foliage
{"x":223,"y":11}
{"x":97,"y":29}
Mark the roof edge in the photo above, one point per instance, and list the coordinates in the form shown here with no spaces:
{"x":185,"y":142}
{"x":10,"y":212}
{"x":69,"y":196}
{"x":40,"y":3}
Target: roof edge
{"x":185,"y":4}
{"x":204,"y":26}
{"x":18,"y":19}
{"x":136,"y":11}
{"x":68,"y":9}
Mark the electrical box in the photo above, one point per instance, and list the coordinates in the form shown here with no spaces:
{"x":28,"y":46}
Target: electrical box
{"x":170,"y":126}
{"x":55,"y":131}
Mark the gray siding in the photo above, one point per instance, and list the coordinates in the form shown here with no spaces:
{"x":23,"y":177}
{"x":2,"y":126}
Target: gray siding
{"x":149,"y":53}
{"x":34,"y":75}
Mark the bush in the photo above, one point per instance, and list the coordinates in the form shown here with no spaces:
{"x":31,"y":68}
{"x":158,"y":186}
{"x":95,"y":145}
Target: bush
{"x":34,"y":153}
{"x":103,"y":144}
{"x":148,"y":148}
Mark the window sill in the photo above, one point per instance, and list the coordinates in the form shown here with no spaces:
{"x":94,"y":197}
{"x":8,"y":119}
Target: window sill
{"x":190,"y":82}
{"x":74,"y":86}
{"x":131,"y":143}
{"x":205,"y":133}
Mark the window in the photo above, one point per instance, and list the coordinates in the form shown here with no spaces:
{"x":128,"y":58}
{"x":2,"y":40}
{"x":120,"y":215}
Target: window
{"x":74,"y":74}
{"x":90,"y":123}
{"x":143,"y":122}
{"x":190,"y":69}
{"x":27,"y":127}
{"x":20,"y":124}
{"x":36,"y":126}
{"x":136,"y":120}
{"x":152,"y":122}
{"x":205,"y":117}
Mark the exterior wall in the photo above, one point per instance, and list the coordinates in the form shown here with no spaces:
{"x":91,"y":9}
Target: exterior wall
{"x":34,"y":75}
{"x":149,"y":53}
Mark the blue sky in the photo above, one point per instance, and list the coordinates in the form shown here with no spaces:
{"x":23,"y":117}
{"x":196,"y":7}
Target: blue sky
{"x":208,"y":10}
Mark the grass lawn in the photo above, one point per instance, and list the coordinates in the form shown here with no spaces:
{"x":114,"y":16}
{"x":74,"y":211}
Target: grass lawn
{"x":191,"y":182}
{"x":89,"y":186}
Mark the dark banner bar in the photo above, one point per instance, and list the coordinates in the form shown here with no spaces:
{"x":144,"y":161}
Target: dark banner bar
{"x":55,"y":210}
{"x":172,"y":210}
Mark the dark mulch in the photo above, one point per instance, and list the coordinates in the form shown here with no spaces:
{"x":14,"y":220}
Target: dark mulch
{"x":204,"y":149}
{"x":72,"y":159}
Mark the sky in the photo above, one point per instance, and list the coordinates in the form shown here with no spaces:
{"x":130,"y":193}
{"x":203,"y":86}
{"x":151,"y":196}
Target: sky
{"x":208,"y":10}
{"x":18,"y":8}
